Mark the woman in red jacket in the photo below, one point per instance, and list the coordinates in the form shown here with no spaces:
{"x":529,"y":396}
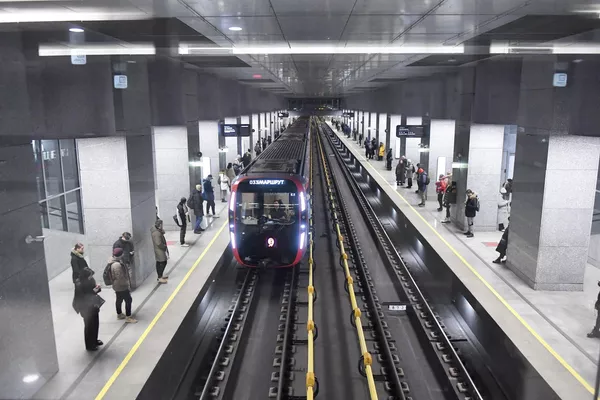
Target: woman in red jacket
{"x":440,"y":189}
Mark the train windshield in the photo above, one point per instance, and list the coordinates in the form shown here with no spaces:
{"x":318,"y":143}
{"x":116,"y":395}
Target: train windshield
{"x":267,"y":221}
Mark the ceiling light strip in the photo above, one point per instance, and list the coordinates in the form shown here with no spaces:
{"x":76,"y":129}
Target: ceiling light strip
{"x":185,"y":49}
{"x":50,"y":50}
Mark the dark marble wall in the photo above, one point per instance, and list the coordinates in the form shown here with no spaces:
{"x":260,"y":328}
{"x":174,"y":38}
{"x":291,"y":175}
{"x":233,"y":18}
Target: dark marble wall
{"x":27,"y":344}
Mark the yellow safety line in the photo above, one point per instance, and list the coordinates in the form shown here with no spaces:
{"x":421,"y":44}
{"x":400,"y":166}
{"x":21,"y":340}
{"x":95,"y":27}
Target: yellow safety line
{"x":310,"y":324}
{"x":368,"y":360}
{"x":561,"y":360}
{"x":141,"y":339}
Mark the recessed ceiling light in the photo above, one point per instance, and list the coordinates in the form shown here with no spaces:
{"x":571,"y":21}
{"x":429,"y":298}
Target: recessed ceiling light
{"x":75,"y":30}
{"x":577,"y":60}
{"x":235,"y":28}
{"x":30,"y":378}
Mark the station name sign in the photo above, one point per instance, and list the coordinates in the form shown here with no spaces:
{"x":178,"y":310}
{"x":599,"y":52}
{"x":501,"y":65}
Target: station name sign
{"x":410,"y":131}
{"x":270,"y":182}
{"x":234,"y":130}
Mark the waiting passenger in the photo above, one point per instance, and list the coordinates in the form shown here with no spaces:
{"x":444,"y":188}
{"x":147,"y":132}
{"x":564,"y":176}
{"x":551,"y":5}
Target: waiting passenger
{"x":422,"y":183}
{"x":230,"y":174}
{"x":78,"y":263}
{"x":471,"y":209}
{"x":125,"y":243}
{"x":503,"y":209}
{"x":278,"y":212}
{"x":448,"y":198}
{"x":501,"y":248}
{"x":257,"y":148}
{"x":223,"y":182}
{"x":381,"y":152}
{"x":182,"y":217}
{"x":121,"y":284}
{"x":440,"y":189}
{"x":595,"y":333}
{"x":401,"y":171}
{"x":264,"y":143}
{"x":410,"y":170}
{"x":87,"y":303}
{"x":269,"y":140}
{"x":161,"y":251}
{"x":416,"y":176}
{"x":247,"y":159}
{"x":195,"y":203}
{"x":209,"y":196}
{"x":237,"y":165}
{"x":388,"y":160}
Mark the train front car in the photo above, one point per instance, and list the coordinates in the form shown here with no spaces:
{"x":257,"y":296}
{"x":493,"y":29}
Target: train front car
{"x":268,"y":209}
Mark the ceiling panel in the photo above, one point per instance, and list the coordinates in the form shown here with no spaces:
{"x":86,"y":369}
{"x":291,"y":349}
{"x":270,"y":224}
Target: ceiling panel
{"x":457,"y":7}
{"x":249,"y":25}
{"x":312,"y":7}
{"x":450,"y":24}
{"x":392,"y":7}
{"x":212,"y":8}
{"x":304,"y":28}
{"x":378,"y":27}
{"x":241,"y":39}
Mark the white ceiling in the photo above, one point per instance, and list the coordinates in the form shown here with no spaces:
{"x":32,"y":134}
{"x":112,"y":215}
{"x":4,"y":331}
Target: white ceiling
{"x":333,"y":22}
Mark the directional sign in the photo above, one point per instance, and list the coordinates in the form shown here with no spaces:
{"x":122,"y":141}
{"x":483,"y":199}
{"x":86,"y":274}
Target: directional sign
{"x":410,"y":131}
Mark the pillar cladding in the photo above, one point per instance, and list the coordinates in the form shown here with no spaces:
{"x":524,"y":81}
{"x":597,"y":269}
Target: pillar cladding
{"x":171,"y":165}
{"x":550,"y":225}
{"x":441,"y":144}
{"x":27,"y":335}
{"x":117,"y":187}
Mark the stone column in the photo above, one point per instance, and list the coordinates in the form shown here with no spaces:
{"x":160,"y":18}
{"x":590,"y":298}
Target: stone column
{"x":209,"y":145}
{"x":553,"y":202}
{"x":118,"y":195}
{"x":412,"y":144}
{"x":170,"y":148}
{"x":396,"y":142}
{"x":381,"y":127}
{"x":246,"y":141}
{"x":232,"y":145}
{"x":441,"y":144}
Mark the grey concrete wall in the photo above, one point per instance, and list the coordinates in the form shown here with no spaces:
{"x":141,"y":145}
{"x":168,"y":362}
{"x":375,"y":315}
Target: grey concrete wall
{"x":57,"y":250}
{"x":27,"y":344}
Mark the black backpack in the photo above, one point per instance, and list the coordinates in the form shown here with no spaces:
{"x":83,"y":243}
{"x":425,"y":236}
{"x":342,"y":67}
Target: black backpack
{"x":107,"y":274}
{"x":427,"y":181}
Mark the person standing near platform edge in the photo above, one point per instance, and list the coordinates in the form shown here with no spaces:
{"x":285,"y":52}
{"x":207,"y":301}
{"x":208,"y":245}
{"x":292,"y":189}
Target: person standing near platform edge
{"x":209,"y":196}
{"x":422,"y":183}
{"x":471,"y":208}
{"x":121,"y":284}
{"x":181,"y":218}
{"x":161,"y":251}
{"x":440,"y":189}
{"x":195,"y":203}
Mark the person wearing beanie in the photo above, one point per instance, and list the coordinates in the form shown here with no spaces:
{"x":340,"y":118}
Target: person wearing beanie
{"x":161,"y":251}
{"x":121,"y":284}
{"x":181,"y":218}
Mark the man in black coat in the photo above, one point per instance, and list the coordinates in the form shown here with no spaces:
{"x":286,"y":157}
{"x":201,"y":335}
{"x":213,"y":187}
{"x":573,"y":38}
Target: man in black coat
{"x":194,"y":202}
{"x":125,"y":243}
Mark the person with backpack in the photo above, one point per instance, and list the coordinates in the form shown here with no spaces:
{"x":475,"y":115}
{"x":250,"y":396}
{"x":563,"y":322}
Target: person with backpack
{"x":440,"y":189}
{"x":209,"y":196}
{"x":422,"y":183}
{"x":181,"y":217}
{"x":223,"y":182}
{"x":195,"y":203}
{"x":161,"y":251}
{"x":121,"y":284}
{"x":471,"y":209}
{"x":87,"y":303}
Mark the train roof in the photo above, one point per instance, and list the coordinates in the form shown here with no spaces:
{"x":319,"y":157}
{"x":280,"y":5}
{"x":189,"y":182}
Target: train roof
{"x":286,"y":154}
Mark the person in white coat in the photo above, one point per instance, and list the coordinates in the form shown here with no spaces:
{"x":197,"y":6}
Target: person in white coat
{"x":223,"y":182}
{"x":503,"y":209}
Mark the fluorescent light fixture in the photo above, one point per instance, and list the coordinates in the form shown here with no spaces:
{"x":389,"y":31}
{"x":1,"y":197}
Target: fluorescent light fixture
{"x":31,"y":378}
{"x":96,"y":49}
{"x":460,"y":165}
{"x":189,"y":48}
{"x":235,"y":28}
{"x":501,"y":47}
{"x":76,"y":30}
{"x":64,"y":14}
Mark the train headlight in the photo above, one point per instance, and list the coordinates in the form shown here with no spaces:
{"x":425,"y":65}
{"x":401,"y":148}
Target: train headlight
{"x":302,"y":241}
{"x":232,"y":201}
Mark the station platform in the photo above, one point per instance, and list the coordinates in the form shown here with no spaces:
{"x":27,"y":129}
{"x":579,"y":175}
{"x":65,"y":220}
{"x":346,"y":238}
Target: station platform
{"x":548,"y":327}
{"x":130,"y":352}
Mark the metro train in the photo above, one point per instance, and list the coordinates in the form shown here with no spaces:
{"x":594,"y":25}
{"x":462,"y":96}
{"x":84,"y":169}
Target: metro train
{"x":269,"y":207}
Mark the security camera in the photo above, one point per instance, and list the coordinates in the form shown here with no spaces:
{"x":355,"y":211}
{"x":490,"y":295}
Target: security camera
{"x":253,"y":130}
{"x":199,"y":154}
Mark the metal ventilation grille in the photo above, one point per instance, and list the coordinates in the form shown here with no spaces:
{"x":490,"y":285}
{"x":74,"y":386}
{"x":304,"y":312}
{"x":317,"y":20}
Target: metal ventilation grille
{"x":289,"y":149}
{"x":281,"y":166}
